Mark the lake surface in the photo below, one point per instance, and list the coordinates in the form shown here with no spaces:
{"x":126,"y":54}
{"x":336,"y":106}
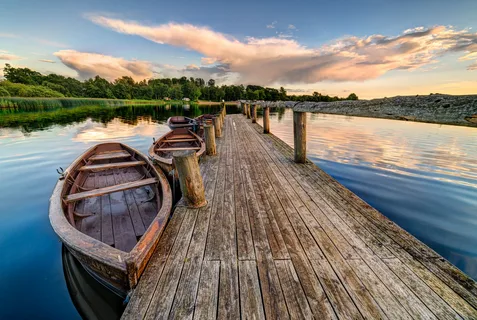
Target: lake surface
{"x":422,"y":176}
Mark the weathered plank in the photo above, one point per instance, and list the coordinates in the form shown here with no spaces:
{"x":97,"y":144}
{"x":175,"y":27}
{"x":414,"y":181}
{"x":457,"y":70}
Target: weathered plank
{"x":110,"y":155}
{"x":111,"y":189}
{"x":250,"y":297}
{"x":114,"y":165}
{"x":207,"y":296}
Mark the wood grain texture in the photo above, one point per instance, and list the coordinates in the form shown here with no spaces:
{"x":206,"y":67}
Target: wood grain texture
{"x":280,"y":239}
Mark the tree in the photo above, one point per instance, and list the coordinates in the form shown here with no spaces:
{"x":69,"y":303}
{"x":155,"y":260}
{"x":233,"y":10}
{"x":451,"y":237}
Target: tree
{"x":352,"y":96}
{"x":22,"y":75}
{"x":176,"y":92}
{"x":282,"y":94}
{"x":211,"y":82}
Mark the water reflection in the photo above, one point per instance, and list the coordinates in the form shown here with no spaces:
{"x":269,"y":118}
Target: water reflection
{"x":422,"y":176}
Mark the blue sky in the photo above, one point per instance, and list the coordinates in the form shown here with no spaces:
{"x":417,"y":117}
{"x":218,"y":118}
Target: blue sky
{"x":307,"y":46}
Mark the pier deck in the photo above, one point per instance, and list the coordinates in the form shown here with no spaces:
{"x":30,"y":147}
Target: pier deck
{"x":285,"y":240}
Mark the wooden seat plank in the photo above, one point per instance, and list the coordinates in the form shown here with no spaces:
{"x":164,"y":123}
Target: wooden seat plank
{"x":178,"y":149}
{"x":106,"y":190}
{"x":110,"y":155}
{"x":179,"y":140}
{"x":108,"y":166}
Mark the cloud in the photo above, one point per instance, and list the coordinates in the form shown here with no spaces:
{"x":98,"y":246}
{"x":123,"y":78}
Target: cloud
{"x":7,"y":35}
{"x":88,"y":65}
{"x":269,"y":61}
{"x":291,"y":27}
{"x":51,"y":43}
{"x":5,"y":55}
{"x":272,"y":25}
{"x":46,"y":60}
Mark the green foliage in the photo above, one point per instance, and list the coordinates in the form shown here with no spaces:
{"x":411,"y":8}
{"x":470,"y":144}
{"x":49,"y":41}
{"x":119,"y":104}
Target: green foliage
{"x":53,"y":103}
{"x":23,"y":82}
{"x":4,"y":92}
{"x":24,"y":90}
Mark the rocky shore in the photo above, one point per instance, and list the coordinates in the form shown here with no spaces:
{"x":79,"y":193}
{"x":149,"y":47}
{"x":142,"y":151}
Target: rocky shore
{"x":434,"y":108}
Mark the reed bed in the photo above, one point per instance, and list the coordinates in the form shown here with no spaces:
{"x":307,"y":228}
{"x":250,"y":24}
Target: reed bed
{"x":35,"y":104}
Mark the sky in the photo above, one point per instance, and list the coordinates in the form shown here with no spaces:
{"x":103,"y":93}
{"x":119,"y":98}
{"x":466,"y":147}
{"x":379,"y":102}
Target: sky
{"x":375,"y":48}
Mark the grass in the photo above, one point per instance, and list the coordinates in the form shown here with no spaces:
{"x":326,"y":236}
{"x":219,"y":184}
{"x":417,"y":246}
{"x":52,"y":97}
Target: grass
{"x":31,"y":104}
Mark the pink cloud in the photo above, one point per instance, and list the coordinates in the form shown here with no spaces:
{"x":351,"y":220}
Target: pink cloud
{"x":5,"y":55}
{"x":278,"y":60}
{"x":88,"y":65}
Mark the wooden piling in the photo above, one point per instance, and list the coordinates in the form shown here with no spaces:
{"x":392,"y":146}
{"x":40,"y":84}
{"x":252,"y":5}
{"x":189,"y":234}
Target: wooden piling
{"x":248,"y":111}
{"x":299,"y":135}
{"x":244,"y":109}
{"x":266,"y":120}
{"x":209,"y":135}
{"x":217,"y":126}
{"x":254,"y":114}
{"x":190,"y":179}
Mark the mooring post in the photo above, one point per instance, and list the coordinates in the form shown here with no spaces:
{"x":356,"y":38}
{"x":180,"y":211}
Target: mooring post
{"x":218,"y":129}
{"x":190,"y":179}
{"x":244,"y":108}
{"x":209,"y":134}
{"x":299,"y":135}
{"x":266,"y":120}
{"x":254,"y":114}
{"x":248,"y":111}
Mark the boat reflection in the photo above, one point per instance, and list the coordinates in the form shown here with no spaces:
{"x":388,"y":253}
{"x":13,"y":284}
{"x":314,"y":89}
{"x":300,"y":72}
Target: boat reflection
{"x":91,"y":299}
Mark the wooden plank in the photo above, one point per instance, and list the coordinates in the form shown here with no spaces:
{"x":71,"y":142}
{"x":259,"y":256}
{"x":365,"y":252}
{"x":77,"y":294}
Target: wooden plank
{"x":107,"y":166}
{"x":177,"y":149}
{"x":92,"y":225}
{"x":124,"y":176}
{"x":295,"y":297}
{"x":436,"y":304}
{"x":163,"y":297}
{"x":107,"y":235}
{"x":391,"y":307}
{"x":229,"y":299}
{"x":179,"y":140}
{"x":340,"y":300}
{"x":250,"y":296}
{"x":110,"y":155}
{"x":114,"y":188}
{"x":207,"y":296}
{"x":141,"y":298}
{"x":245,"y":249}
{"x":123,"y":230}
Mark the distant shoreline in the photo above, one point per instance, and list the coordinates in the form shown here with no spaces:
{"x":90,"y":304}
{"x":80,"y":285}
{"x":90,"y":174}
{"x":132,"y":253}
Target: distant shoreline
{"x":434,"y":108}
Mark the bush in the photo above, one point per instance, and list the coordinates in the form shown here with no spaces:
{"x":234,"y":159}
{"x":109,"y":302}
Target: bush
{"x":24,"y":90}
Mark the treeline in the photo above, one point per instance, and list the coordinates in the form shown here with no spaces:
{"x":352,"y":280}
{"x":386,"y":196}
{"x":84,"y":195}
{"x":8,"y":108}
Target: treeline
{"x":24,"y":82}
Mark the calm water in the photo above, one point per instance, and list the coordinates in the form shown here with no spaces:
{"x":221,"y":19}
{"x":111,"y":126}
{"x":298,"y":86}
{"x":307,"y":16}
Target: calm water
{"x":422,"y":176}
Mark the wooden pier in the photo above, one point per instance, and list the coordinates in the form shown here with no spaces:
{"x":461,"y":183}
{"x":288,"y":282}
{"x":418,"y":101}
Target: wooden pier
{"x":284,"y":240}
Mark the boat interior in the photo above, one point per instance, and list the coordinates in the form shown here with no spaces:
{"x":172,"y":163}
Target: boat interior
{"x":177,"y":140}
{"x":112,"y":195}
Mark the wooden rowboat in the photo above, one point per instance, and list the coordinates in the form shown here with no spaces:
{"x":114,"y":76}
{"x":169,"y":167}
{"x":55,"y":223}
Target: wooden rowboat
{"x":177,"y":122}
{"x":109,"y":208}
{"x":175,"y":140}
{"x":201,"y":121}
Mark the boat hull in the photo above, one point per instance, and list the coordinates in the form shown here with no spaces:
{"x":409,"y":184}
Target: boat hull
{"x":118,"y":269}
